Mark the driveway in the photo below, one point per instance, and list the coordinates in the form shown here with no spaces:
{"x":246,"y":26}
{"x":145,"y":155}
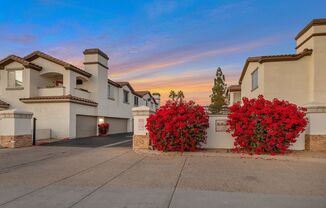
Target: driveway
{"x":105,"y":172}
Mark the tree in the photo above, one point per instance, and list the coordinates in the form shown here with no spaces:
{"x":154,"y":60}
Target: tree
{"x":176,"y":96}
{"x":218,"y":98}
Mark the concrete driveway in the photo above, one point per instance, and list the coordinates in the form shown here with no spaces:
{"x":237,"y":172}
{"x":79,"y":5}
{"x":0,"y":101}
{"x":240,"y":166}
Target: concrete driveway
{"x":105,"y":172}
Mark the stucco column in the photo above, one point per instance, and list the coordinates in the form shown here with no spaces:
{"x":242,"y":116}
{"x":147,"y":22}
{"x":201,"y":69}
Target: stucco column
{"x":141,"y":137}
{"x":15,"y":128}
{"x":315,"y":138}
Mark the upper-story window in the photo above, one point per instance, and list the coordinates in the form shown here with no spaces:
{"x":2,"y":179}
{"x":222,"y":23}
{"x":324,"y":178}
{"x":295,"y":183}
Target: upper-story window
{"x":254,"y":79}
{"x":15,"y":78}
{"x":125,"y":96}
{"x":110,"y":92}
{"x":146,"y":103}
{"x":136,"y":101}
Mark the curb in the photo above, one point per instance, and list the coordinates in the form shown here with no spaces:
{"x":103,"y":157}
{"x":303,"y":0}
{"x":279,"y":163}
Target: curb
{"x":230,"y":155}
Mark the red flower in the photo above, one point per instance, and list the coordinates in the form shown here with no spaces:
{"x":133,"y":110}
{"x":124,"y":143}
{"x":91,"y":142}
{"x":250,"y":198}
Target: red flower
{"x":263,"y":126}
{"x":178,"y":126}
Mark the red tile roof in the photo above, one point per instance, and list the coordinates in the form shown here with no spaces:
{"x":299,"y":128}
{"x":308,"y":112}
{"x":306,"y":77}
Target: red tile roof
{"x":234,"y":88}
{"x":3,"y":104}
{"x":25,"y":63}
{"x":274,"y":58}
{"x":66,"y":65}
{"x":64,"y":98}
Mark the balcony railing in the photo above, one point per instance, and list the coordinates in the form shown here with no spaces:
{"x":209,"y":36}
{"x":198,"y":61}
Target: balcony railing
{"x":52,"y":91}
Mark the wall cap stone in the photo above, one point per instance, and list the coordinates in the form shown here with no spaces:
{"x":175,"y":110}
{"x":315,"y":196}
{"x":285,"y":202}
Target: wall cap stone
{"x":142,"y":111}
{"x":15,"y":113}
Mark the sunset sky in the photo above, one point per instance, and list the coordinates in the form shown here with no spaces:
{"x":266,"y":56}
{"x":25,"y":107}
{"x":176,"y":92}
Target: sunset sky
{"x":158,"y":45}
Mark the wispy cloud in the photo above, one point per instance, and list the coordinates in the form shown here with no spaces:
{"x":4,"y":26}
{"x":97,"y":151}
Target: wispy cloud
{"x":182,"y":55}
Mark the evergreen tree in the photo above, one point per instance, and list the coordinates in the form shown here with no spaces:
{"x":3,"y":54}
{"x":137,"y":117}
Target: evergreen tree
{"x":218,"y":97}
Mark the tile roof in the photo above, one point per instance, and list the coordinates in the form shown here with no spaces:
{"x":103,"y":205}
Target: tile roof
{"x":143,"y":93}
{"x":4,"y":104}
{"x":64,"y":98}
{"x":11,"y":58}
{"x":274,"y":58}
{"x":234,"y":88}
{"x":66,"y":65}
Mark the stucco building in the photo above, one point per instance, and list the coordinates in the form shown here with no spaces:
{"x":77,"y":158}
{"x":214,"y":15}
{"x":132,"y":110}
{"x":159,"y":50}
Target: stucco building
{"x":299,"y":78}
{"x":68,"y":101}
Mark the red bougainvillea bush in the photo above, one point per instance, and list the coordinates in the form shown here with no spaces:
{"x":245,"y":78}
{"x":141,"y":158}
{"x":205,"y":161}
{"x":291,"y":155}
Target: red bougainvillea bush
{"x":263,"y":126}
{"x":178,"y":126}
{"x":103,"y":128}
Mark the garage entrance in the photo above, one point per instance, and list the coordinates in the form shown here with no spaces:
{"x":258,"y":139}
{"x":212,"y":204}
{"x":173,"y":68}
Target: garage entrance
{"x":86,"y":126}
{"x":117,"y":125}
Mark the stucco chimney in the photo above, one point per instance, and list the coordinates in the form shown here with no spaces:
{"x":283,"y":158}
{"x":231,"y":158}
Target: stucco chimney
{"x":96,"y":63}
{"x":157,"y":97}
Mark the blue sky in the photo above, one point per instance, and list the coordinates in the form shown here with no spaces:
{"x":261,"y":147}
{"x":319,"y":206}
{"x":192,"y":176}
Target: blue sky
{"x":158,"y":45}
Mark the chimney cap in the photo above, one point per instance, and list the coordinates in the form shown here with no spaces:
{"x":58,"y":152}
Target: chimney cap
{"x":156,"y":93}
{"x":96,"y":51}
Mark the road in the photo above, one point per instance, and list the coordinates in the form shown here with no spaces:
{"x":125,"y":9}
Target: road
{"x":105,"y":172}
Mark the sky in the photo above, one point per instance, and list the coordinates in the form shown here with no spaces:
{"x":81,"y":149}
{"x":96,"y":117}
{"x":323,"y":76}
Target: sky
{"x":158,"y":45}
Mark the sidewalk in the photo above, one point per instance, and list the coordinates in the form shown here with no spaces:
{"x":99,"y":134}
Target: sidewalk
{"x":293,"y":156}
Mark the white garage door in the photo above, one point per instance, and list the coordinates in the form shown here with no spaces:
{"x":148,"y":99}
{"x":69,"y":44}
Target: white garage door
{"x":86,"y":126}
{"x":117,"y":125}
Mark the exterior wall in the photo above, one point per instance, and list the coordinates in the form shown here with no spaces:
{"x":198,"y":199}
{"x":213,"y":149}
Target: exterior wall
{"x":60,"y":118}
{"x":217,"y":137}
{"x":234,"y":97}
{"x":288,"y":80}
{"x":246,"y":81}
{"x":318,"y":61}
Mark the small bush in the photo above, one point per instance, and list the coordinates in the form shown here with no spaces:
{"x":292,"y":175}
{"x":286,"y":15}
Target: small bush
{"x":103,"y":128}
{"x":178,"y":126}
{"x":263,"y":126}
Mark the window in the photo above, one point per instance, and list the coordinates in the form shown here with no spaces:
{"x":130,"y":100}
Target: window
{"x":146,"y":103}
{"x":110,"y":92}
{"x":254,"y":79}
{"x":135,"y":101}
{"x":125,"y":96}
{"x":15,"y":79}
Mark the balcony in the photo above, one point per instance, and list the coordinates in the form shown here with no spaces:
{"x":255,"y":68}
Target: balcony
{"x":82,"y":93}
{"x":52,"y":91}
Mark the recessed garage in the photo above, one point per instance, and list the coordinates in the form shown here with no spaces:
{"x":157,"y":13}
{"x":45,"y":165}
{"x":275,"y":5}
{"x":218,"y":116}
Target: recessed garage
{"x":117,"y":125}
{"x":86,"y":126}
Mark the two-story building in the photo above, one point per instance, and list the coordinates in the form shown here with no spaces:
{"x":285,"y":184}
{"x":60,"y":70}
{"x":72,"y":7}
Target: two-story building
{"x":299,"y":78}
{"x":68,"y":101}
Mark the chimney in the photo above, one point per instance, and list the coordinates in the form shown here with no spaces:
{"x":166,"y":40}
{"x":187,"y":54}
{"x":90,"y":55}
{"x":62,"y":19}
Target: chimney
{"x":96,"y":63}
{"x":95,"y":58}
{"x":157,"y":97}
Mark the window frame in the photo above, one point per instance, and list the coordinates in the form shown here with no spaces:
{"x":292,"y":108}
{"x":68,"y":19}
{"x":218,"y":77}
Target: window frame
{"x":110,"y":89}
{"x":126,"y":95}
{"x":13,"y":86}
{"x":255,"y":72}
{"x":136,"y":99}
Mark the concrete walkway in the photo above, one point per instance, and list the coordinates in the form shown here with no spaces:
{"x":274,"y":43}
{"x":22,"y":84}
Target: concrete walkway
{"x":112,"y":175}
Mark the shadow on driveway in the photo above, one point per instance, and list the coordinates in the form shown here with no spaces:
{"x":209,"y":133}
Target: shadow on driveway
{"x":96,"y":141}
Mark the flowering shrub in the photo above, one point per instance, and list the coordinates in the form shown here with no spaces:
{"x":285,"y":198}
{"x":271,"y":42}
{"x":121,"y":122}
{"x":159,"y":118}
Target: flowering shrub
{"x":103,"y":128}
{"x":178,"y":126}
{"x":263,"y":126}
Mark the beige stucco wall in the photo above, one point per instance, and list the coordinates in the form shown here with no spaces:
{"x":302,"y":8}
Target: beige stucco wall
{"x":288,"y":80}
{"x":246,"y":81}
{"x":235,"y":97}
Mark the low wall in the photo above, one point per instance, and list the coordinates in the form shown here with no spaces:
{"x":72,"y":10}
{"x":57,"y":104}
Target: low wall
{"x":218,"y":138}
{"x":43,"y":134}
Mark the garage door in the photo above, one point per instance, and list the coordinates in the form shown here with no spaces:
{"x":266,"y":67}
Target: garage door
{"x":86,"y":126}
{"x":117,"y":125}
